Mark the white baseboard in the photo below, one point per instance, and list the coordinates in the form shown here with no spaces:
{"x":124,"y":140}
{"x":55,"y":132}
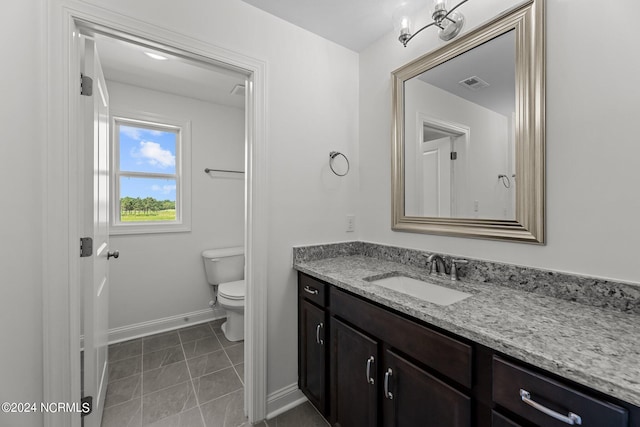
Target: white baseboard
{"x":137,"y":330}
{"x":282,"y":400}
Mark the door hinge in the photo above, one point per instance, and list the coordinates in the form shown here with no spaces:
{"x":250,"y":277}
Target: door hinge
{"x":86,"y":247}
{"x":454,"y":155}
{"x":86,"y":405}
{"x":86,"y":85}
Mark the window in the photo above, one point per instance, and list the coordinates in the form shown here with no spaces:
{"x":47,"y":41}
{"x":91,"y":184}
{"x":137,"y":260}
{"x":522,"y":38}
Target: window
{"x":150,"y":192}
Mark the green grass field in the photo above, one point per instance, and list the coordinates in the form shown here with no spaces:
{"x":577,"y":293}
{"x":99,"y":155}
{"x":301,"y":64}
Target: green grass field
{"x":166,"y":215}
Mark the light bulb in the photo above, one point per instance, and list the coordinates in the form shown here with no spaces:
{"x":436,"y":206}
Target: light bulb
{"x":439,"y":10}
{"x":402,"y":18}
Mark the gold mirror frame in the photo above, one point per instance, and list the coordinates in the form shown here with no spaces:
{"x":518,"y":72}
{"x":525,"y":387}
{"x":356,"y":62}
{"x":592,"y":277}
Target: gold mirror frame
{"x":528,"y":22}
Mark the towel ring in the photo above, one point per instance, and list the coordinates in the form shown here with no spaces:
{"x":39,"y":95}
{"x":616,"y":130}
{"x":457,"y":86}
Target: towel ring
{"x":332,"y":156}
{"x":505,"y":180}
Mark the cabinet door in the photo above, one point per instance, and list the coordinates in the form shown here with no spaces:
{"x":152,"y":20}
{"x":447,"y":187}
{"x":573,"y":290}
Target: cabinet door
{"x":313,"y":354}
{"x":498,"y":420}
{"x":412,"y":397}
{"x":354,"y":381}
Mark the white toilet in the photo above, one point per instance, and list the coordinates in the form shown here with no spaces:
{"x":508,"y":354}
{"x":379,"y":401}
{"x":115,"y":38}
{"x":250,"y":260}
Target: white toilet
{"x":225,"y":268}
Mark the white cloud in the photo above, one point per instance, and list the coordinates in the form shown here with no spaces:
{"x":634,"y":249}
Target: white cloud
{"x":154,"y":154}
{"x":137,"y":133}
{"x":164,"y":189}
{"x":131,"y":132}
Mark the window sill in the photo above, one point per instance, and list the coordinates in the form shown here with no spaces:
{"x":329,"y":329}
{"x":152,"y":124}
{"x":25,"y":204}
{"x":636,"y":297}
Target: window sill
{"x":119,"y":230}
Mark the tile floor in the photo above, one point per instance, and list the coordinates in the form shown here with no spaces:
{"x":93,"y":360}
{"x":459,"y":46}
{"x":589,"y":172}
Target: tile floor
{"x":192,"y":377}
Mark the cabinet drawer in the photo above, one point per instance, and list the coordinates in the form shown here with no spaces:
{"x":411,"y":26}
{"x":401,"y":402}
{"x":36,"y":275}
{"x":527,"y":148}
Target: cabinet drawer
{"x":545,"y":401}
{"x":444,"y":354}
{"x":312,"y":289}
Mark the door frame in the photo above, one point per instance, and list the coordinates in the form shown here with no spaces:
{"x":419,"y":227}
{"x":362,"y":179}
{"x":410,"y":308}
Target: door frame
{"x":63,"y":200}
{"x":456,"y":130}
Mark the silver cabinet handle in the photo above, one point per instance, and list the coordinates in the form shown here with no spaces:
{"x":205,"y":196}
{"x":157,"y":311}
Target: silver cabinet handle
{"x":114,"y":254}
{"x":310,"y":290}
{"x":370,"y":362}
{"x":571,"y":418}
{"x":387,"y":377}
{"x":318,"y":339}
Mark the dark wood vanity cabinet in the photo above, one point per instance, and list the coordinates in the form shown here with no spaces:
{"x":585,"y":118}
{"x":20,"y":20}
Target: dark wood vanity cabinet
{"x":395,"y":366}
{"x":367,"y":375}
{"x":413,"y":397}
{"x":544,"y":401}
{"x":383,"y":369}
{"x":364,"y":365}
{"x":312,"y":342}
{"x":354,"y":376}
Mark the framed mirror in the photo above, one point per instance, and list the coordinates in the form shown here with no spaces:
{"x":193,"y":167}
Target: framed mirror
{"x":468,"y":154}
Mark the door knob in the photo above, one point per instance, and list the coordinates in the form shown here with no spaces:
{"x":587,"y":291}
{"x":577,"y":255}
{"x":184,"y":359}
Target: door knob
{"x":114,"y":254}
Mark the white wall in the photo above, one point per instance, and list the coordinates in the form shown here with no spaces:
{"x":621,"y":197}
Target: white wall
{"x":162,"y":275}
{"x":592,"y":162}
{"x":479,"y":164}
{"x":312,"y":108}
{"x":313,"y":88}
{"x":21,"y":207}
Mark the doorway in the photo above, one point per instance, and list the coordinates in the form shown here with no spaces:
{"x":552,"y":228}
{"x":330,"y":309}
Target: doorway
{"x":62,"y":268}
{"x":438,"y":174}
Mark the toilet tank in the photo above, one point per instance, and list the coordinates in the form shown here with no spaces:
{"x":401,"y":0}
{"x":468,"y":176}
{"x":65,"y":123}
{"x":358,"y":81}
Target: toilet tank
{"x":224,"y":265}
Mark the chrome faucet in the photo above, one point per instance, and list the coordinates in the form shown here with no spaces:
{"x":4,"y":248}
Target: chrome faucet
{"x":441,"y":265}
{"x":438,"y":261}
{"x":454,"y":267}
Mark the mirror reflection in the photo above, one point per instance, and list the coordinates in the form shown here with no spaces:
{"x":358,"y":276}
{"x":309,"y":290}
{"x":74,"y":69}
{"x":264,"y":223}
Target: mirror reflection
{"x":459,"y":129}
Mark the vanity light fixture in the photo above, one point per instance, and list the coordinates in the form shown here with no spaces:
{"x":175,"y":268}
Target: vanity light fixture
{"x":449,"y":21}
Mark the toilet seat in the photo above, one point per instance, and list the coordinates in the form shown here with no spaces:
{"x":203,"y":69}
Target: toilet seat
{"x":232,"y":290}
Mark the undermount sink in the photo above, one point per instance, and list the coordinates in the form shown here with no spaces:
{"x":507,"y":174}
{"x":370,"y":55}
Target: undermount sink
{"x":435,"y":294}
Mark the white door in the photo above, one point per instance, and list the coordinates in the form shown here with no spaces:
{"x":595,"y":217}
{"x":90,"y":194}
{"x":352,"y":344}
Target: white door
{"x":434,"y":185}
{"x":95,"y":277}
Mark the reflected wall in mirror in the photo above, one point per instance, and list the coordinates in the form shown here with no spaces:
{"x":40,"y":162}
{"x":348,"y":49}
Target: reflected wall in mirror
{"x":458,"y":121}
{"x":468,"y":152}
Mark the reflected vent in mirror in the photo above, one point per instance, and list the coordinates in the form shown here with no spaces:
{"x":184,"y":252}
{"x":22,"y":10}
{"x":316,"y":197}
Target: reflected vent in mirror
{"x":473,"y":83}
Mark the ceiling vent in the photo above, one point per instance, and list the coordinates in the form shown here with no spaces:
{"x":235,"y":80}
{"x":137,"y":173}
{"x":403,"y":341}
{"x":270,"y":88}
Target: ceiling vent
{"x":473,"y":83}
{"x":238,"y":90}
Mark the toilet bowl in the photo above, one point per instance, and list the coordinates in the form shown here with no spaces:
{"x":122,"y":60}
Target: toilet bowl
{"x":224,"y":268}
{"x":231,"y":298}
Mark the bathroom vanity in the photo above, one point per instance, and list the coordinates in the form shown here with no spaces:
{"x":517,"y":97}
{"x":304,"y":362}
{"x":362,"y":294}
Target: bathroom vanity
{"x":373,"y":356}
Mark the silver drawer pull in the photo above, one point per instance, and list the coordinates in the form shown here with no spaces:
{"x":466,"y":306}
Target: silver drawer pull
{"x":310,"y":290}
{"x":571,"y":418}
{"x":387,"y":377}
{"x":370,"y":379}
{"x":318,"y":339}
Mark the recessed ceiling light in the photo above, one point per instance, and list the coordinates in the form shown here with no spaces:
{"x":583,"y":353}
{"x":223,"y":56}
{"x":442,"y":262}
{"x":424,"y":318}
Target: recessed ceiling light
{"x":156,"y":56}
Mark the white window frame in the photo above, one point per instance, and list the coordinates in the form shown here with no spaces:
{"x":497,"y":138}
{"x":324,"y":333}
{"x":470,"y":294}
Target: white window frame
{"x":182,"y":173}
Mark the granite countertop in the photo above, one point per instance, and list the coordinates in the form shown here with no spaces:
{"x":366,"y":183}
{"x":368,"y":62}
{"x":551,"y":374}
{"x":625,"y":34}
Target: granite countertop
{"x":596,"y":347}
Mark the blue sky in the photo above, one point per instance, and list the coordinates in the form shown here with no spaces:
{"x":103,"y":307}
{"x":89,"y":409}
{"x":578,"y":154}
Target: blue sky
{"x":147,"y":150}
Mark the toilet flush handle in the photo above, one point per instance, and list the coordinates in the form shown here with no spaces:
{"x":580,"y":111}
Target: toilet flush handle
{"x":114,"y":254}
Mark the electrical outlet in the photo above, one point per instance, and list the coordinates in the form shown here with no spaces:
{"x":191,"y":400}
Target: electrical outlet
{"x":351,"y":223}
{"x":476,"y":206}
